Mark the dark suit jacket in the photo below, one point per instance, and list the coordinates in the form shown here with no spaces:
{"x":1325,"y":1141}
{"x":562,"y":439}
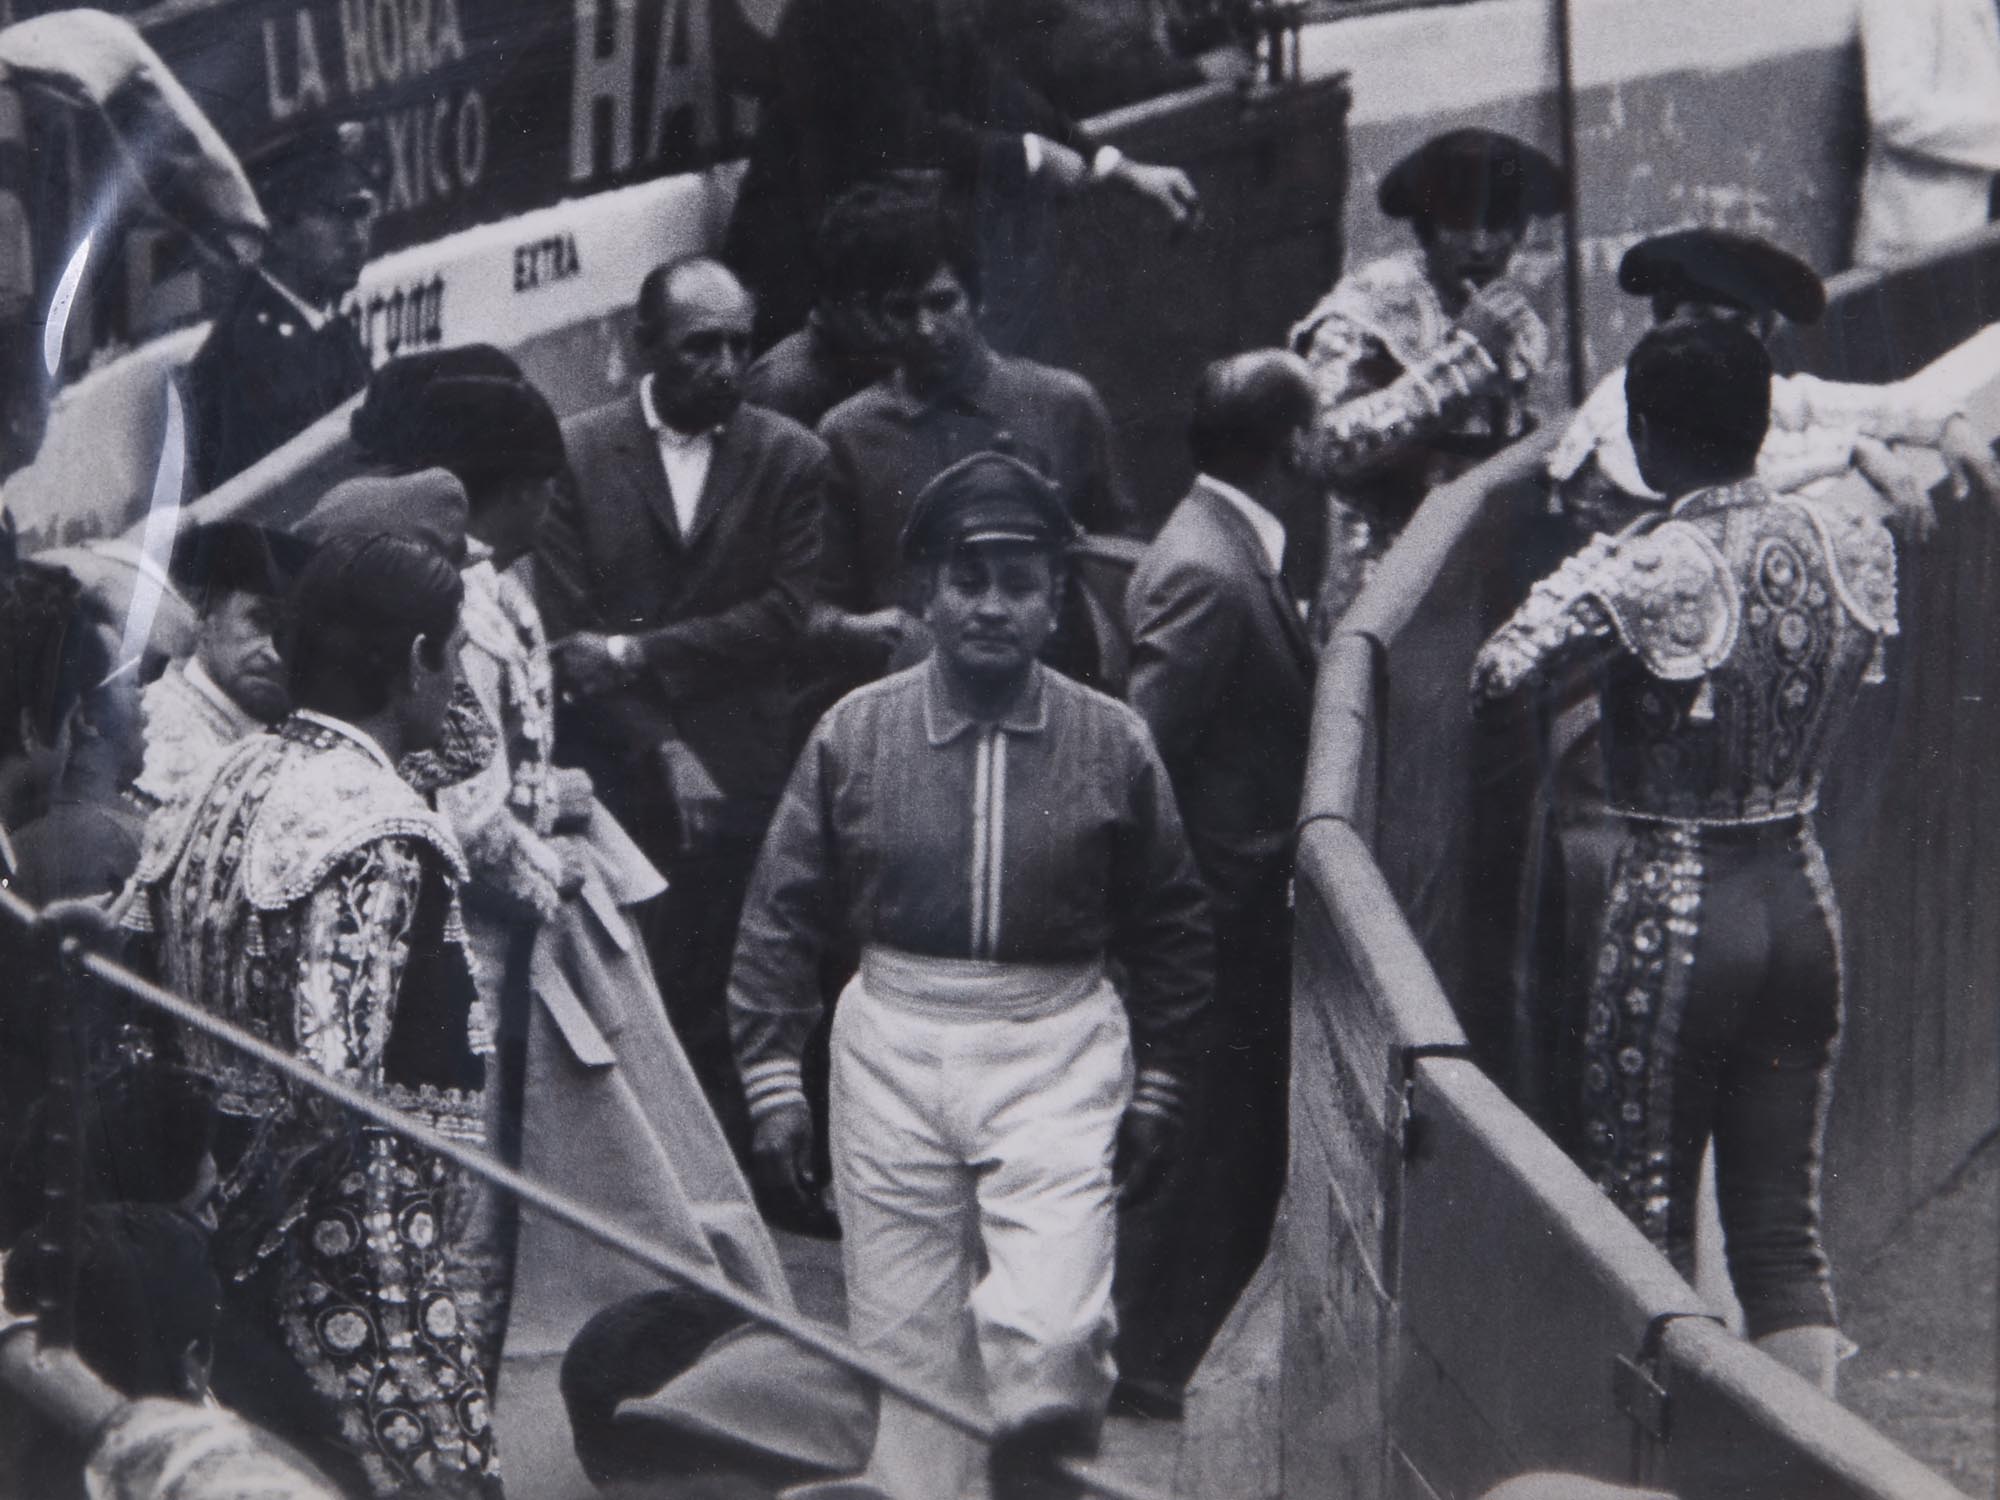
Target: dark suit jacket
{"x":719,"y":614}
{"x":1222,"y":672}
{"x":859,"y":87}
{"x":262,"y":377}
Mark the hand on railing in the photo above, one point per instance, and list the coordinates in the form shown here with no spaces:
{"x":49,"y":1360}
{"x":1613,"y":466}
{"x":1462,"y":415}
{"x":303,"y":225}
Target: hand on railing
{"x":1910,"y":508}
{"x":1167,"y":189}
{"x":88,"y":922}
{"x":1969,"y":462}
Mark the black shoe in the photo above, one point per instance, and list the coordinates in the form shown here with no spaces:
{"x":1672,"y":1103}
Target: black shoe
{"x":1024,"y":1464}
{"x":1148,"y":1400}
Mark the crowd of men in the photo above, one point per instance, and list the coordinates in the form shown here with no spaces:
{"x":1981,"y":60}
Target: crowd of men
{"x":723,"y":803}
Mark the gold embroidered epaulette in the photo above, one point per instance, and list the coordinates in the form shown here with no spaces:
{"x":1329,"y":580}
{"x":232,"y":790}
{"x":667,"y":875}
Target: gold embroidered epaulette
{"x":1861,"y":555}
{"x":1671,"y":596}
{"x":323,"y":807}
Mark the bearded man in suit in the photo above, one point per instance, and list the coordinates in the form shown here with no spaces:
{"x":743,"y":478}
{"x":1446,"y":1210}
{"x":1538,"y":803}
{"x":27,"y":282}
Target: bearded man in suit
{"x":676,"y":577}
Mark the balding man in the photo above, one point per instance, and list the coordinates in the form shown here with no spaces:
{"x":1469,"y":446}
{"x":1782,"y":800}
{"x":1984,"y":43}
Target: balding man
{"x":675,"y":581}
{"x":1222,"y":673}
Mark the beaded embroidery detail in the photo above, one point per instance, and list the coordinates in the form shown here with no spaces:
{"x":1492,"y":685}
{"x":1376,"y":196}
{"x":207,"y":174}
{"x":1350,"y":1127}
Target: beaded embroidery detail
{"x":1631,"y":1032}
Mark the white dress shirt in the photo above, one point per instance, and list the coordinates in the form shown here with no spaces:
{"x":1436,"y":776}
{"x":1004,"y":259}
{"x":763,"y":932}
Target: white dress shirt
{"x":1932,"y":71}
{"x":684,"y":456}
{"x":1270,"y":530}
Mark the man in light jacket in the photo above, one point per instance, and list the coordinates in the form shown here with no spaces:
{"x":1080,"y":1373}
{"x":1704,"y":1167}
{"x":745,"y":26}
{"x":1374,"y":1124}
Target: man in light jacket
{"x":1932,"y":71}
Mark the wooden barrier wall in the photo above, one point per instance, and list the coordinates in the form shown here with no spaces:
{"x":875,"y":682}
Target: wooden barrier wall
{"x":1887,"y":324}
{"x":1907,"y":812}
{"x":1912,"y":813}
{"x":1462,"y":1304}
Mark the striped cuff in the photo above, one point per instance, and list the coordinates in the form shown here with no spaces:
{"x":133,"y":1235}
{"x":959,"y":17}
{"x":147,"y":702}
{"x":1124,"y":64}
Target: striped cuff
{"x":1159,"y":1092}
{"x":774,"y":1085}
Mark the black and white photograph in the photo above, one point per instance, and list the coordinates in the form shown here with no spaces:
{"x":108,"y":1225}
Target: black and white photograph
{"x":999,"y":750}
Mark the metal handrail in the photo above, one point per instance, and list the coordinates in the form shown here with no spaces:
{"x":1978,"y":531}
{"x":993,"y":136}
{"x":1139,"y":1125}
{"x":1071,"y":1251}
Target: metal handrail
{"x":557,"y":1205}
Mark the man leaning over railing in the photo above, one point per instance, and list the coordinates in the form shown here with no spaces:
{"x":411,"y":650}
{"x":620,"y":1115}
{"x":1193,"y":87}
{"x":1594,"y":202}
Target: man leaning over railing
{"x":1820,"y":429}
{"x":1730,"y":635}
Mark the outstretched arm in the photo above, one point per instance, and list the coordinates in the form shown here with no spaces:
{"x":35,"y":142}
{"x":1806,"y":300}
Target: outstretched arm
{"x":1562,"y":626}
{"x":1831,"y":419}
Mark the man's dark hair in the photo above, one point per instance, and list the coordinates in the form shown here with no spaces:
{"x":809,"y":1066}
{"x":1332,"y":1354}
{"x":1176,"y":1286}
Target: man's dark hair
{"x":1245,"y":407}
{"x":360,"y":604}
{"x":1705,"y":389}
{"x":889,"y":231}
{"x":51,"y":653}
{"x":897,"y":232}
{"x":145,"y":1291}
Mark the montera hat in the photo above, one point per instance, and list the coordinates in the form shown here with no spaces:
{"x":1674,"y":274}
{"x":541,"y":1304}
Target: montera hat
{"x":1715,"y":265}
{"x":468,"y":409}
{"x":428,"y":506}
{"x":1472,"y":176}
{"x":987,"y":497}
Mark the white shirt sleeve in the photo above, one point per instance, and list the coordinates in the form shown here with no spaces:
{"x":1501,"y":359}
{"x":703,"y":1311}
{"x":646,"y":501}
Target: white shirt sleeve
{"x":1920,"y":99}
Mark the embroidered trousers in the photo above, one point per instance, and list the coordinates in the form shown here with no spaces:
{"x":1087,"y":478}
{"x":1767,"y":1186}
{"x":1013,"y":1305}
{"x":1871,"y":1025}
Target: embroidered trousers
{"x":1714,"y":1010}
{"x":975,"y":1110}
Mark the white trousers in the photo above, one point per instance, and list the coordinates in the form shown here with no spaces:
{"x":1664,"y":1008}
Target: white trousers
{"x":975,"y":1110}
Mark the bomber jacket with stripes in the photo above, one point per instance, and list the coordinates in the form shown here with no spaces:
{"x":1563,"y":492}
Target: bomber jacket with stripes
{"x":1048,"y":836}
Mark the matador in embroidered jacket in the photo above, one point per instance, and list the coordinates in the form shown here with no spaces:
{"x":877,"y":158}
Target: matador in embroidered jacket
{"x":306,"y":893}
{"x":1730,"y":637}
{"x":1421,"y":372}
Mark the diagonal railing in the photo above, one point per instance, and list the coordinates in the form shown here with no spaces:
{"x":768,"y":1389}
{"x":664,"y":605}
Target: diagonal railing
{"x":76,"y":957}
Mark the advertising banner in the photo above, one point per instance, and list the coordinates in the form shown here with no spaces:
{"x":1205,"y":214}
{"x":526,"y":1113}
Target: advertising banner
{"x":476,"y":111}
